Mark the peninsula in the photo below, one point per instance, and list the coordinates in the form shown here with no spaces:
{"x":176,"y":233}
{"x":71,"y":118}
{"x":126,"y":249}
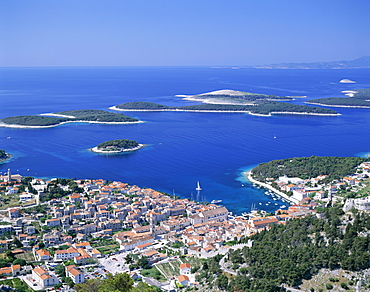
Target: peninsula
{"x":262,"y":108}
{"x":359,"y":98}
{"x":117,"y":146}
{"x":280,"y":175}
{"x":55,"y":119}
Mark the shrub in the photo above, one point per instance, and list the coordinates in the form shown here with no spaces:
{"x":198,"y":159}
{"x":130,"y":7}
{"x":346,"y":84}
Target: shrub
{"x":344,"y":286}
{"x":329,"y":286}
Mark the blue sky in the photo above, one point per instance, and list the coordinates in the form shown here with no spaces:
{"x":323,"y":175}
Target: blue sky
{"x":181,"y":32}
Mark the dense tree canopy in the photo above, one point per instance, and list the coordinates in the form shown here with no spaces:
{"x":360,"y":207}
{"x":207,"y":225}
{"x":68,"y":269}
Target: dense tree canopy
{"x":80,"y":115}
{"x":3,"y":154}
{"x":297,"y":250}
{"x":308,"y":167}
{"x":286,"y":254}
{"x":260,"y":107}
{"x":341,"y":101}
{"x":142,"y":105}
{"x":120,"y":282}
{"x":119,"y":144}
{"x":32,"y":120}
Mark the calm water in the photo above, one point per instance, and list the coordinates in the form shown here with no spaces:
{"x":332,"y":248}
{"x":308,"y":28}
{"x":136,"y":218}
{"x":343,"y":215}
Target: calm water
{"x":183,"y":147}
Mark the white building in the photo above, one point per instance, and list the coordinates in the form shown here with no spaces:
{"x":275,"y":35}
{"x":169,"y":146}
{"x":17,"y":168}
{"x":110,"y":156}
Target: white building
{"x":66,"y":254}
{"x":43,"y":278}
{"x":185,"y":269}
{"x":75,"y":274}
{"x":43,"y":255}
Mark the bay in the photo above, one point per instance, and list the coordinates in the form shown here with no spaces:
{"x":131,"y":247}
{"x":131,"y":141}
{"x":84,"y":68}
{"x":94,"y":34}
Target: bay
{"x":183,"y":148}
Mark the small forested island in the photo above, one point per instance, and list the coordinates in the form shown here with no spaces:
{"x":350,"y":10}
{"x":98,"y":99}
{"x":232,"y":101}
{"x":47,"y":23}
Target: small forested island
{"x":59,"y":118}
{"x":3,"y":155}
{"x":358,"y":98}
{"x":263,"y":108}
{"x":117,"y":146}
{"x":227,"y":96}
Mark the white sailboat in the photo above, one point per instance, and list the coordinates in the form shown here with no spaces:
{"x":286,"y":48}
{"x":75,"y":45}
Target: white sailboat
{"x":216,"y":201}
{"x":198,"y":188}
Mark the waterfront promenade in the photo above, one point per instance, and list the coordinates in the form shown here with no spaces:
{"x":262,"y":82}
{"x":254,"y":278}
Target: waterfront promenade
{"x":267,"y":186}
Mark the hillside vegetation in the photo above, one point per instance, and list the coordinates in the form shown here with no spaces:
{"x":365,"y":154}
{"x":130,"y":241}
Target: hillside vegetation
{"x":308,"y":167}
{"x":289,"y":253}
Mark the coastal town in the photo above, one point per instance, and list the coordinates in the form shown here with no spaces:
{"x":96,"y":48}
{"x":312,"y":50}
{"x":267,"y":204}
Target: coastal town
{"x":90,"y":228}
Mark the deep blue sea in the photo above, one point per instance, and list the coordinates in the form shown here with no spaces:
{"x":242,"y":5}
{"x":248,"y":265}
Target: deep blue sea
{"x":183,"y":148}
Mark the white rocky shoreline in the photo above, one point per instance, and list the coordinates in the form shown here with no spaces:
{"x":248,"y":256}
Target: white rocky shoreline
{"x":59,"y":124}
{"x":100,"y":151}
{"x":350,"y":93}
{"x":338,"y":105}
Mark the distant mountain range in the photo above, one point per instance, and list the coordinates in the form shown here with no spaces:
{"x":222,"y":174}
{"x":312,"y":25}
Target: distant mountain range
{"x":363,"y":62}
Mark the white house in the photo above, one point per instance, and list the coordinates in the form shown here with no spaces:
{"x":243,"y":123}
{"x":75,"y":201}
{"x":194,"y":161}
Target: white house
{"x":43,"y":255}
{"x":134,"y":243}
{"x":185,"y":269}
{"x":75,"y":274}
{"x":66,"y":254}
{"x":299,"y":194}
{"x":43,"y":278}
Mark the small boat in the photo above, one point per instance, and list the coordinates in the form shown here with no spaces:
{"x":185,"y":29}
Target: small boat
{"x":260,"y":203}
{"x":198,"y":188}
{"x":216,"y":201}
{"x":283,"y":207}
{"x":245,"y":214}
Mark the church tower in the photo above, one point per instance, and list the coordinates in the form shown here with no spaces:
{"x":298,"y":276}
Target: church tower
{"x":9,"y":175}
